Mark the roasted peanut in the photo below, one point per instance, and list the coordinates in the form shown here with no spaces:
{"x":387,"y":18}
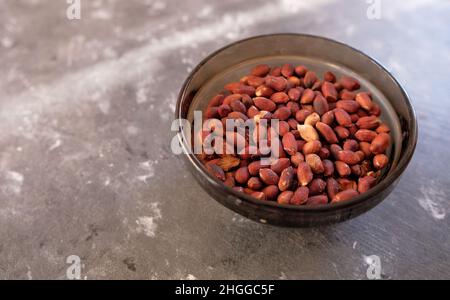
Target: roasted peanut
{"x":285,"y":197}
{"x":329,"y":91}
{"x":327,"y":132}
{"x":344,"y":196}
{"x":366,"y":183}
{"x":380,"y":143}
{"x":349,"y":83}
{"x":242,"y":175}
{"x":342,"y":117}
{"x":315,"y":163}
{"x":380,"y":161}
{"x":280,"y":98}
{"x":317,"y":186}
{"x":320,"y":105}
{"x":311,"y":147}
{"x":289,"y":143}
{"x":260,"y":70}
{"x":279,"y":165}
{"x":265,"y":104}
{"x":310,"y":79}
{"x":271,"y":192}
{"x":308,"y":133}
{"x":317,"y":200}
{"x":286,"y":179}
{"x":268,"y":176}
{"x":304,"y":173}
{"x":295,"y":93}
{"x":307,"y":96}
{"x":342,"y":168}
{"x":364,"y":101}
{"x":300,"y":196}
{"x":255,"y":183}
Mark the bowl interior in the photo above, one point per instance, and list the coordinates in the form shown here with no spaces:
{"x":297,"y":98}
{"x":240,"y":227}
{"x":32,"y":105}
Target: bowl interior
{"x":319,"y":54}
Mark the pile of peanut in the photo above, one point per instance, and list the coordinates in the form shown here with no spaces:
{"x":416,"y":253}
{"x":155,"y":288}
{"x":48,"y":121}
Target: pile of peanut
{"x":333,"y":144}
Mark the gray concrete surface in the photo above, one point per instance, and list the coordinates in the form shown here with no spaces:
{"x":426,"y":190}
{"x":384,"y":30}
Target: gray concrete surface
{"x":85,"y":164}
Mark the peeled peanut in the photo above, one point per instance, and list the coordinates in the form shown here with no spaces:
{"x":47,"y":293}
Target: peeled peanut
{"x":308,"y":133}
{"x":312,"y":119}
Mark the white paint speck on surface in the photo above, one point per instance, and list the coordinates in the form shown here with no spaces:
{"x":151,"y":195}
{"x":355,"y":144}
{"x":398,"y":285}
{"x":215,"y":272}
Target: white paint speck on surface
{"x":368,"y":259}
{"x":11,"y":182}
{"x":336,"y":270}
{"x":354,"y":245}
{"x":132,"y":130}
{"x":104,"y":106}
{"x":148,"y":167}
{"x":350,"y":30}
{"x":205,"y":12}
{"x":7,"y":42}
{"x":29,"y":274}
{"x":141,"y":95}
{"x":109,"y":53}
{"x":101,"y":14}
{"x":185,"y":18}
{"x":159,"y":6}
{"x":147,"y":224}
{"x":434,"y":200}
{"x":55,"y":145}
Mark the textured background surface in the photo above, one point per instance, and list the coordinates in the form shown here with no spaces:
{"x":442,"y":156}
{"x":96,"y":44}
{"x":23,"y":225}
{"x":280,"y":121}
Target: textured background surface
{"x":85,"y":163}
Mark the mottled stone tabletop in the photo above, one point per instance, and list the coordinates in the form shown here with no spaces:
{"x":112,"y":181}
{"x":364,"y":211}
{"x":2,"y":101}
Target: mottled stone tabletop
{"x":85,"y":163}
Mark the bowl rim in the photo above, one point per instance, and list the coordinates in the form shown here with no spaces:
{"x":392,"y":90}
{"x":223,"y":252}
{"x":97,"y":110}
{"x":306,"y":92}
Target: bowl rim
{"x":384,"y":184}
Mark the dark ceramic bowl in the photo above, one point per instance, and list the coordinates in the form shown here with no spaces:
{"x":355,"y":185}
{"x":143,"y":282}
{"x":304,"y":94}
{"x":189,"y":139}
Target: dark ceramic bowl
{"x":233,"y":61}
